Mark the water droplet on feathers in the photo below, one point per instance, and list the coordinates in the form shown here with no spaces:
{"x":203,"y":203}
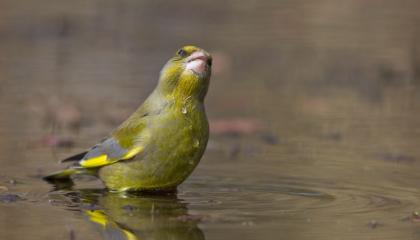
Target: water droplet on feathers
{"x":184,"y":110}
{"x":196,"y":143}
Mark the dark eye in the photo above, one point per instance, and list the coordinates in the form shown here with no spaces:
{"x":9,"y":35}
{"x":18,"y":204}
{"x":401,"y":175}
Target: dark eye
{"x":182,"y":53}
{"x":209,"y":62}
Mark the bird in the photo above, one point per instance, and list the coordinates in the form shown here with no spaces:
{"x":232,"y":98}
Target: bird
{"x":162,"y":142}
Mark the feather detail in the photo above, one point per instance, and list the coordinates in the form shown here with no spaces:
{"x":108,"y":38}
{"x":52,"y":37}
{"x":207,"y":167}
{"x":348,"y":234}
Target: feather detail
{"x":76,"y":157}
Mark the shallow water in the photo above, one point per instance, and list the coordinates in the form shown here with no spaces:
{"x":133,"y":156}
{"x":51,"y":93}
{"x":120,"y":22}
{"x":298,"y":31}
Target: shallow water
{"x":313,"y":109}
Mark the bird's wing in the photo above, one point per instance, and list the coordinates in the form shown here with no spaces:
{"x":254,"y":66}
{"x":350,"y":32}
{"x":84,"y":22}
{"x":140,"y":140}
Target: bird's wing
{"x":107,"y":152}
{"x":125,"y":142}
{"x":75,"y":158}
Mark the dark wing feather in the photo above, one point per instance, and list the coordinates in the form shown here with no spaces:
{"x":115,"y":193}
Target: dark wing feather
{"x":76,"y":157}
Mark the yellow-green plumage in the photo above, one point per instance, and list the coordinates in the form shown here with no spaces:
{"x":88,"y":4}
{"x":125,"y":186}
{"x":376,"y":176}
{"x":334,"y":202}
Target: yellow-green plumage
{"x":162,"y":142}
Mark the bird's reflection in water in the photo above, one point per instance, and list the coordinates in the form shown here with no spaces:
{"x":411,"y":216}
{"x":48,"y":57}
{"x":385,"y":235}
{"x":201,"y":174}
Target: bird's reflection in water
{"x":136,"y":217}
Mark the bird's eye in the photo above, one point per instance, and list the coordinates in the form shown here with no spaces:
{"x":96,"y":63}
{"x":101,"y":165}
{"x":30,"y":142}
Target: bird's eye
{"x":209,"y":62}
{"x":182,"y":53}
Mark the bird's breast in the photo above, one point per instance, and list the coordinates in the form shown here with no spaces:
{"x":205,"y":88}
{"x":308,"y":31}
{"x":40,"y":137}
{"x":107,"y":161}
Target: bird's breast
{"x":183,"y":130}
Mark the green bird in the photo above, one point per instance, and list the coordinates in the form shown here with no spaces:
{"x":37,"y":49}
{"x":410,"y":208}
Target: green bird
{"x":162,"y":142}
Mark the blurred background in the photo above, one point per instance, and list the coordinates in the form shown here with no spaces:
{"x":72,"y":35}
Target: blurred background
{"x":313,"y":108}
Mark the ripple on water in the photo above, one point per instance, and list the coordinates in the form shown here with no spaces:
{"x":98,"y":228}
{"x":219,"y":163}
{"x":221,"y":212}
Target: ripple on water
{"x":272,"y":201}
{"x":236,"y":200}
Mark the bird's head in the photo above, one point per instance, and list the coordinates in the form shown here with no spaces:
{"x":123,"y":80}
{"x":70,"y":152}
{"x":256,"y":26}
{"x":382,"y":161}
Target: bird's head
{"x":186,"y":74}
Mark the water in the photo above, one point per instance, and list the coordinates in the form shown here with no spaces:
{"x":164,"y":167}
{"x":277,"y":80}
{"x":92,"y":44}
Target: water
{"x":313,"y":111}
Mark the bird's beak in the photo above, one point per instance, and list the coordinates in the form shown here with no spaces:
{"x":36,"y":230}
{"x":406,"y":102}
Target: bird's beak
{"x":198,"y":62}
{"x":197,"y":55}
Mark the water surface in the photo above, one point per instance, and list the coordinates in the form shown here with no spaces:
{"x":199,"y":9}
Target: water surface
{"x":313,"y":109}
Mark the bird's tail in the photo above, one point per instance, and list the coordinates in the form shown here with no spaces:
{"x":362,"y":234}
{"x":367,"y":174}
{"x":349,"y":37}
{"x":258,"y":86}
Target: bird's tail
{"x":63,"y":175}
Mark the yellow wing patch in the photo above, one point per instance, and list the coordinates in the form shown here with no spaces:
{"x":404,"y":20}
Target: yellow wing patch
{"x":98,"y":161}
{"x":133,"y":152}
{"x":103,"y":159}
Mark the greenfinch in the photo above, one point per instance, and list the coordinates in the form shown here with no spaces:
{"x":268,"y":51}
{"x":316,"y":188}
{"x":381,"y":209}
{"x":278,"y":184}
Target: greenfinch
{"x":162,"y":142}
